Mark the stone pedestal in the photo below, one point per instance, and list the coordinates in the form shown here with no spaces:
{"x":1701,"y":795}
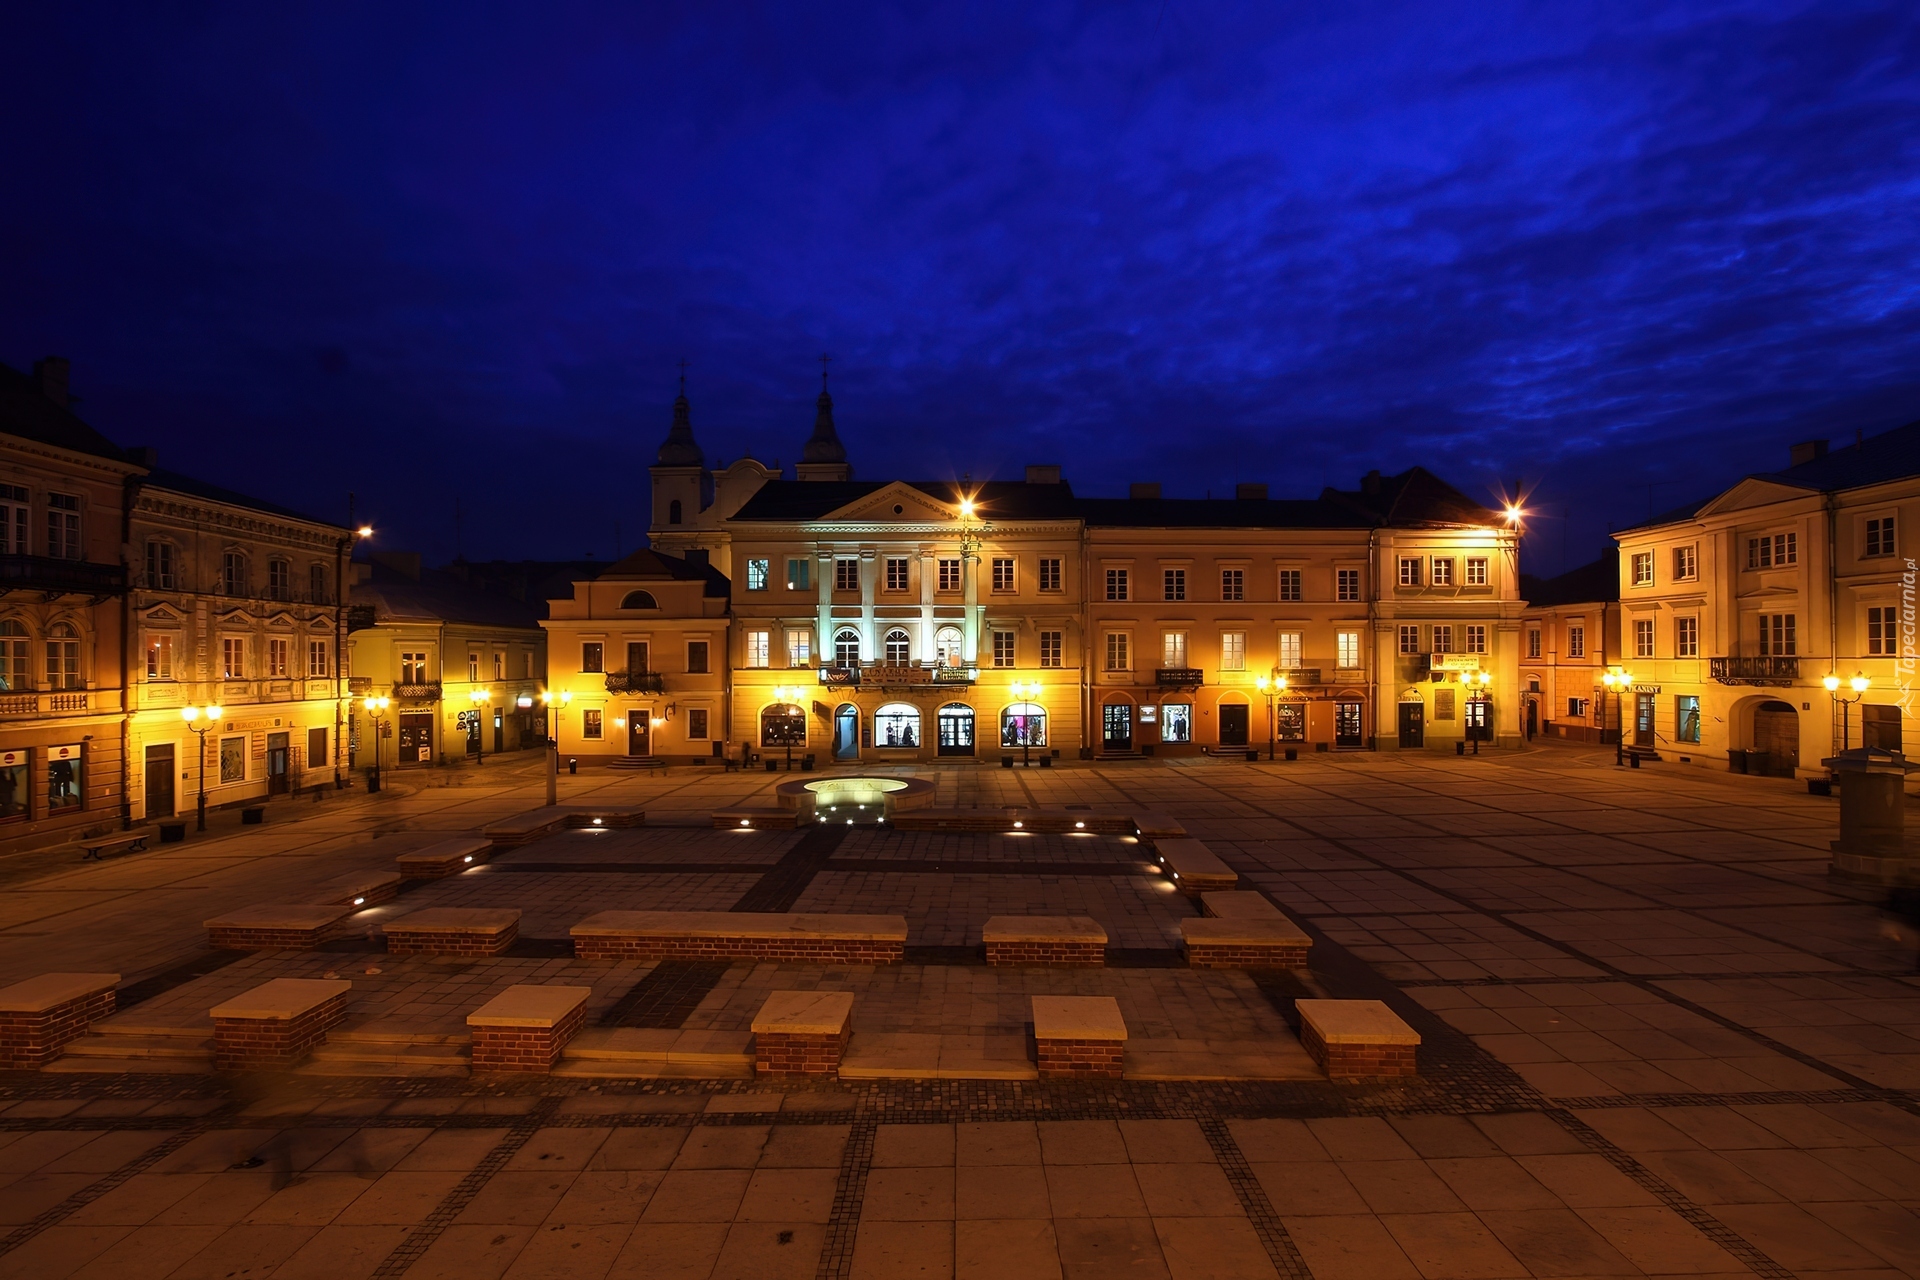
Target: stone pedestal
{"x":1079,"y":1037}
{"x":445,"y":858}
{"x":359,"y":889}
{"x":525,"y":1027}
{"x":1244,"y":942}
{"x":41,"y":1015}
{"x":277,"y":1023}
{"x":296,"y":926}
{"x":1873,"y":817}
{"x":802,"y":1033}
{"x":1052,"y":940}
{"x":1357,"y":1039}
{"x":454,"y":931}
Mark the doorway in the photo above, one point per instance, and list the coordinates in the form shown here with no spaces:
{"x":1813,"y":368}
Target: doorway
{"x":846,"y":732}
{"x":639,"y":731}
{"x":1116,"y":726}
{"x":1413,"y":725}
{"x":1533,"y":717}
{"x":160,"y":781}
{"x":956,"y":730}
{"x":416,"y":737}
{"x":1235,"y":719}
{"x":1643,"y":719}
{"x":279,"y":782}
{"x":1349,"y":723}
{"x":1776,"y":735}
{"x":499,"y":732}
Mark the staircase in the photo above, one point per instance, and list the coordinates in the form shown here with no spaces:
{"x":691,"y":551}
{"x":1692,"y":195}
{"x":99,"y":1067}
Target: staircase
{"x":385,"y":1051}
{"x":636,"y":762}
{"x":121,"y":1048}
{"x":632,"y":1053}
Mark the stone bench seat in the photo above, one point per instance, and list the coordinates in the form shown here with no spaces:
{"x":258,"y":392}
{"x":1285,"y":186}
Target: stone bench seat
{"x":359,"y":889}
{"x":525,"y":1028}
{"x":277,"y":1023}
{"x":293,"y":926}
{"x":802,"y":1033}
{"x":99,"y":848}
{"x":1239,"y":906}
{"x":1158,"y":826}
{"x":1194,"y":867}
{"x":1244,"y":942}
{"x":747,"y":935}
{"x":42,"y":1015}
{"x":453,"y":931}
{"x":1060,"y":940}
{"x":445,"y":858}
{"x":756,"y":819}
{"x":1079,"y":1037}
{"x":1047,"y":821}
{"x":609,"y":817}
{"x":524,"y":828}
{"x":1357,"y":1039}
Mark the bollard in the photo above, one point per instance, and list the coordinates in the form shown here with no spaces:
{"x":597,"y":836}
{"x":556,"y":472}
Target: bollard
{"x":1293,"y":753}
{"x":573,"y":765}
{"x":1633,"y":762}
{"x":1460,"y":748}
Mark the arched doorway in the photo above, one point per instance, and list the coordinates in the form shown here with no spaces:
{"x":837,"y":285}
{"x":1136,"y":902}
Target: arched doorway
{"x":956,"y":729}
{"x":949,"y":646}
{"x":1236,"y":721}
{"x":1116,"y":726}
{"x":846,"y":732}
{"x":1776,"y":733}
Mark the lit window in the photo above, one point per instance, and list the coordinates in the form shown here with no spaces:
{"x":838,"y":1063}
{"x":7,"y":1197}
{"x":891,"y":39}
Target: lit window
{"x":159,"y":658}
{"x":1003,"y":648}
{"x":1176,"y":722}
{"x":897,"y":725}
{"x":1233,"y":651}
{"x":758,"y":643}
{"x":1173,"y":649}
{"x":233,"y":658}
{"x":1349,"y":584}
{"x":276,"y":657}
{"x":1003,"y":574}
{"x":1348,"y":648}
{"x":1174,"y":583}
{"x":1289,"y":657}
{"x":413,"y":668}
{"x":1233,"y":584}
{"x":319,"y":664}
{"x":1476,"y":571}
{"x":799,"y":648}
{"x":1686,"y":717}
{"x":1050,"y":647}
{"x":756,"y":575}
{"x":233,"y":759}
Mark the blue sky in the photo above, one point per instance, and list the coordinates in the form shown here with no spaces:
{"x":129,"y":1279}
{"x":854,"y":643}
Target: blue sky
{"x":435,"y":253}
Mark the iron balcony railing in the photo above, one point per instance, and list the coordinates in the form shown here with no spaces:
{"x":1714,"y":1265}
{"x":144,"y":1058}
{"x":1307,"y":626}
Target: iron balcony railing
{"x":61,"y":577}
{"x":1179,"y":677}
{"x":428,"y":691}
{"x":636,"y":682}
{"x":1772,"y":669}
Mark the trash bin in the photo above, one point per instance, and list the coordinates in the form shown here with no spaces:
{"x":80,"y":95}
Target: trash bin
{"x":1737,"y":760}
{"x":1758,"y":762}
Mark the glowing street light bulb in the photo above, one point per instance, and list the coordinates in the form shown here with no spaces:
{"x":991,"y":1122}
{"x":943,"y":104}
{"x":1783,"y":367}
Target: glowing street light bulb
{"x":1858,"y":684}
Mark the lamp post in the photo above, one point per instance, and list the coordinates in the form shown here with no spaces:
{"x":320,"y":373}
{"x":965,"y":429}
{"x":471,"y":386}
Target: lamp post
{"x":553,"y":702}
{"x":193,"y":716}
{"x":1476,"y":682}
{"x":789,"y":695}
{"x":1617,"y":680}
{"x":1273,"y":688}
{"x":376,"y":710}
{"x":1859,"y":686}
{"x":480,"y":699}
{"x":1026,"y":691}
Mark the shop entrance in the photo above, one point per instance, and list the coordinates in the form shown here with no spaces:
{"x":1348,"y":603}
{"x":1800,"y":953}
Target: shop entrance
{"x":1413,"y":725}
{"x":846,"y":732}
{"x":278,"y":780}
{"x":160,"y":781}
{"x":956,"y":730}
{"x":1234,"y":719}
{"x":1643,"y":720}
{"x":416,"y":737}
{"x":1116,"y":726}
{"x":1349,"y":722}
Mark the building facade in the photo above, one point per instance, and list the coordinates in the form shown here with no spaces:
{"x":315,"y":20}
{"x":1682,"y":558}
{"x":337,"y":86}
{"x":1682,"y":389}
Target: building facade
{"x":1570,"y":637}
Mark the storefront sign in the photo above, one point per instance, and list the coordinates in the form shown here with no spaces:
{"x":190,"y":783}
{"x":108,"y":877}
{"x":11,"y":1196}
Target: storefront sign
{"x":1455,"y":662}
{"x":840,"y":675}
{"x":12,"y":759}
{"x":1646,"y":688}
{"x":64,"y":753}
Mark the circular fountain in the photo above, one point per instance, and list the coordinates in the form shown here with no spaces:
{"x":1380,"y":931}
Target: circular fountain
{"x":857,"y":800}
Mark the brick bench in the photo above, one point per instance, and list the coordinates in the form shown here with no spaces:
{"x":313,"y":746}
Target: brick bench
{"x":802,"y":1033}
{"x":756,"y":819}
{"x":1065,"y":940}
{"x":1244,"y":942}
{"x":1357,"y":1039}
{"x":277,"y":1023}
{"x":525,"y":1027}
{"x":1053,"y":821}
{"x":524,"y":828}
{"x":1194,"y":867}
{"x":1239,"y":906}
{"x":41,"y":1015}
{"x":744,"y":935}
{"x":445,"y":858}
{"x":1079,"y":1037}
{"x":453,"y":931}
{"x":294,"y":926}
{"x":359,"y":889}
{"x":608,"y":817}
{"x":1158,"y":826}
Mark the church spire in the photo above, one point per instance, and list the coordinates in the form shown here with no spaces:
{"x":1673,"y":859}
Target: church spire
{"x":679,"y":448}
{"x":823,"y":457}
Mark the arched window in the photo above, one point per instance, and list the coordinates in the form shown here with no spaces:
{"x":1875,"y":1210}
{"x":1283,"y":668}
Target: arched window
{"x":63,"y":656}
{"x":639,"y":600}
{"x":1024,"y":724}
{"x":233,"y":573}
{"x":16,"y":674}
{"x":783,"y":725}
{"x":897,"y":725}
{"x":899,"y":649}
{"x":846,"y":647}
{"x":673,"y":512}
{"x":949,"y":646}
{"x":956,"y":729}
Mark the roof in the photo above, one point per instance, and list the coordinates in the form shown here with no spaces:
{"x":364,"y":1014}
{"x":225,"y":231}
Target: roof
{"x":27,"y":412}
{"x":437,"y":596}
{"x":173,"y":481}
{"x":1219,"y":513}
{"x":1891,"y":455}
{"x":1589,"y":584}
{"x":1414,"y":497}
{"x":648,"y":565}
{"x":993,"y":499}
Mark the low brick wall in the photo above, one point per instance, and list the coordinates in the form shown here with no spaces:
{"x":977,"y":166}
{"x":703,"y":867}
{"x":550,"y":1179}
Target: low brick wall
{"x":229,"y":938}
{"x":29,"y":1040}
{"x":1081,"y":1059}
{"x":524,"y":1049}
{"x":1218,"y":955}
{"x":1359,"y":1061}
{"x":250,"y":1044}
{"x":775,"y":1054}
{"x":810,"y":950}
{"x":443,"y":942}
{"x":1087,"y":953}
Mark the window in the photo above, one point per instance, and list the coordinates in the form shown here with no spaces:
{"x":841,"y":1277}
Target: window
{"x":639,"y":657}
{"x":799,"y":648}
{"x":1476,"y":637}
{"x":1289,"y":653}
{"x":13,"y":520}
{"x":756,"y":575}
{"x":897,"y":569}
{"x":15,"y":658}
{"x":1176,"y":722}
{"x":1576,"y":640}
{"x":277,"y":647}
{"x":846,"y":647}
{"x":757,"y":648}
{"x":233,"y":658}
{"x":1577,"y":708}
{"x":279,"y":580}
{"x":160,"y":657}
{"x":783,"y":725}
{"x":1409,"y":637}
{"x":1233,"y":651}
{"x":473,"y":668}
{"x":697,"y":651}
{"x":1880,"y":537}
{"x":1533,"y":642}
{"x":413,"y":668}
{"x":1686,"y":564}
{"x":526,"y":665}
{"x":1776,"y":635}
{"x":949,"y":646}
{"x":1116,"y":584}
{"x":1442,"y":572}
{"x":63,"y":527}
{"x":319,"y":664}
{"x":1233,"y":584}
{"x":592,"y":725}
{"x":899,"y":648}
{"x":1476,"y":571}
{"x":1050,"y":573}
{"x":1686,"y":718}
{"x":1409,"y":571}
{"x":1880,"y":726}
{"x":160,"y":566}
{"x":1348,"y":648}
{"x":1686,"y":637}
{"x":674,"y":511}
{"x":499,"y":665}
{"x":233,"y":573}
{"x":233,"y":759}
{"x":1174,"y":584}
{"x":1024,"y":724}
{"x":949,"y":574}
{"x":1770,"y":551}
{"x":1289,"y":584}
{"x":1173,"y":649}
{"x":696,"y":724}
{"x":798,"y":574}
{"x":1117,"y":659}
{"x":846,"y":574}
{"x":1442,"y":637}
{"x":1880,"y":631}
{"x":897,"y":724}
{"x":1003,"y":648}
{"x":592,"y":657}
{"x":1643,"y":568}
{"x":1050,"y":647}
{"x":1347,"y":584}
{"x":1643,"y":637}
{"x":316,"y":584}
{"x":1003,"y":573}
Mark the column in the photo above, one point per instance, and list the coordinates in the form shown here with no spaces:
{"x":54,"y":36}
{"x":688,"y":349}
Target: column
{"x":823,"y":569}
{"x":927,"y":626}
{"x":869,"y":568}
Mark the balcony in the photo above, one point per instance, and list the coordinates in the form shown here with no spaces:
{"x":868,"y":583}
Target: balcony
{"x":1299,"y":677}
{"x":427,"y":691}
{"x":52,"y":702}
{"x":61,"y":577}
{"x":1179,"y":677}
{"x":636,"y":682}
{"x":1775,"y":670}
{"x":915,"y":675}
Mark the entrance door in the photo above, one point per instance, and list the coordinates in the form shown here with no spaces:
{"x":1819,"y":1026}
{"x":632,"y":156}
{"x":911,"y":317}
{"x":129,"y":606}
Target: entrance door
{"x":1348,"y":723}
{"x":846,"y":733}
{"x":1116,"y":726}
{"x":160,"y":781}
{"x":956,"y":730}
{"x":1479,"y":719}
{"x":1533,"y":717}
{"x":1642,"y":719}
{"x":1234,"y":717}
{"x":1413,"y":724}
{"x":1776,"y":731}
{"x":416,"y":737}
{"x":278,"y":782}
{"x":499,"y":732}
{"x":317,"y":757}
{"x":639,"y":732}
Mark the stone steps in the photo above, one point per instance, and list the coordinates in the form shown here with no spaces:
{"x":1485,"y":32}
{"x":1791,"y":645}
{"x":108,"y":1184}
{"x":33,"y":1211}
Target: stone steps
{"x":153,"y":1050}
{"x":387,"y":1057}
{"x":637,"y":1053}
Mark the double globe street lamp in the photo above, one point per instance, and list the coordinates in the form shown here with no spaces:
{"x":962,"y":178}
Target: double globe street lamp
{"x":1859,"y":686}
{"x":376,"y":710}
{"x":1273,"y":687}
{"x":1025,"y":691}
{"x":211,"y":714}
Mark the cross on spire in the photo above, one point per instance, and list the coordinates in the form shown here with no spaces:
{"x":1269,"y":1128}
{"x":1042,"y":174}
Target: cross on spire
{"x":825,"y":360}
{"x":683,"y":375}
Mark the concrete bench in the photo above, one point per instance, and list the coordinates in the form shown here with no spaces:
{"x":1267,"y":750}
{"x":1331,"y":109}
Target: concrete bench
{"x":99,"y":848}
{"x":802,"y":1033}
{"x":1244,"y":942}
{"x":1053,"y":821}
{"x":1194,"y":867}
{"x":41,"y":1015}
{"x":747,"y":935}
{"x":293,"y":926}
{"x":524,"y":828}
{"x":1158,"y":826}
{"x":609,"y":817}
{"x":1079,"y":1037}
{"x":1064,"y":940}
{"x":1239,"y":906}
{"x":445,"y":858}
{"x":756,"y":819}
{"x":453,"y":931}
{"x":1357,"y":1039}
{"x":525,"y":1027}
{"x":359,"y":889}
{"x":277,"y":1023}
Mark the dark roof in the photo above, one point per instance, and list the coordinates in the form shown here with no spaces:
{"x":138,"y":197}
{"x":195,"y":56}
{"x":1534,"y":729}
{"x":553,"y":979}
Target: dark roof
{"x":1219,"y":513}
{"x":648,"y":565}
{"x":1673,"y":515}
{"x":27,"y":412}
{"x":160,"y":478}
{"x":1590,"y":583}
{"x":1891,"y":455}
{"x":993,"y":499}
{"x":439,"y":596}
{"x":1414,"y":497}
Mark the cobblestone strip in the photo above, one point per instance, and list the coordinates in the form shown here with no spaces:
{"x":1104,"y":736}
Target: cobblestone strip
{"x":836,"y":1255}
{"x":421,"y":1238}
{"x":93,"y":1191}
{"x":1281,"y":1250}
{"x":787,"y":879}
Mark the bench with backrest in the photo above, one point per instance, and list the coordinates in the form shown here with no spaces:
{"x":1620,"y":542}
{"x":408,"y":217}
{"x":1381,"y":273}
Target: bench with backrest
{"x":802,"y":1033}
{"x":741,"y":935}
{"x":113,"y":844}
{"x":359,"y":889}
{"x":453,"y":931}
{"x":41,"y":1015}
{"x":298,"y":926}
{"x":1357,"y":1039}
{"x":1079,"y":1037}
{"x":1050,"y":940}
{"x":525,"y":1028}
{"x":277,"y":1023}
{"x":445,"y":858}
{"x":1194,"y":867}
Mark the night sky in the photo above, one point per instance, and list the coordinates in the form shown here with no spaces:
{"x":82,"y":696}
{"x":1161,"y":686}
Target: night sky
{"x":456,"y":253}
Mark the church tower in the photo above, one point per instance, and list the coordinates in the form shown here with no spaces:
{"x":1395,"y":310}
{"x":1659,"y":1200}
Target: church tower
{"x":680,"y":479}
{"x":823,"y":457}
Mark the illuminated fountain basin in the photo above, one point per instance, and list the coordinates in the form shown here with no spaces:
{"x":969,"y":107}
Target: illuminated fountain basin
{"x":857,"y":800}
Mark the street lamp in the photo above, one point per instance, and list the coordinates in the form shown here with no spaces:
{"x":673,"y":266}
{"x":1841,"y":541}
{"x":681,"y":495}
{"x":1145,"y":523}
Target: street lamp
{"x":1273,"y":688}
{"x":1859,"y":686}
{"x":1617,"y":680}
{"x":1026,"y":691}
{"x":789,"y":695}
{"x":193,"y":716}
{"x":553,"y":702}
{"x":480,"y":699}
{"x":376,"y":709}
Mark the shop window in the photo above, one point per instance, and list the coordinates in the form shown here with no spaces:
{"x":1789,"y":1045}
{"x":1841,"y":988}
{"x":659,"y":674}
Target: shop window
{"x":65,"y":779}
{"x":1176,"y":722}
{"x":783,"y":725}
{"x":233,"y":759}
{"x":897,"y":724}
{"x":1290,"y":721}
{"x":1686,"y":718}
{"x":13,"y":786}
{"x":1024,"y":724}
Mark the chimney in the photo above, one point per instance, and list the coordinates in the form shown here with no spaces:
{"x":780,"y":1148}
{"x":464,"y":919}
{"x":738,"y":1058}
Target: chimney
{"x":1146,"y":489}
{"x":1250,"y":492}
{"x":1806,"y":451}
{"x":1370,"y":483}
{"x":1043,"y":475}
{"x":53,"y":372}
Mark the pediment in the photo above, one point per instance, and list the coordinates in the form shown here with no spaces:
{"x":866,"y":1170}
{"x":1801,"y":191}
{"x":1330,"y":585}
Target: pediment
{"x":915,"y":507}
{"x":1755,"y":492}
{"x":281,"y":619}
{"x":320,"y":625}
{"x":161,"y":614}
{"x":232,"y":616}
